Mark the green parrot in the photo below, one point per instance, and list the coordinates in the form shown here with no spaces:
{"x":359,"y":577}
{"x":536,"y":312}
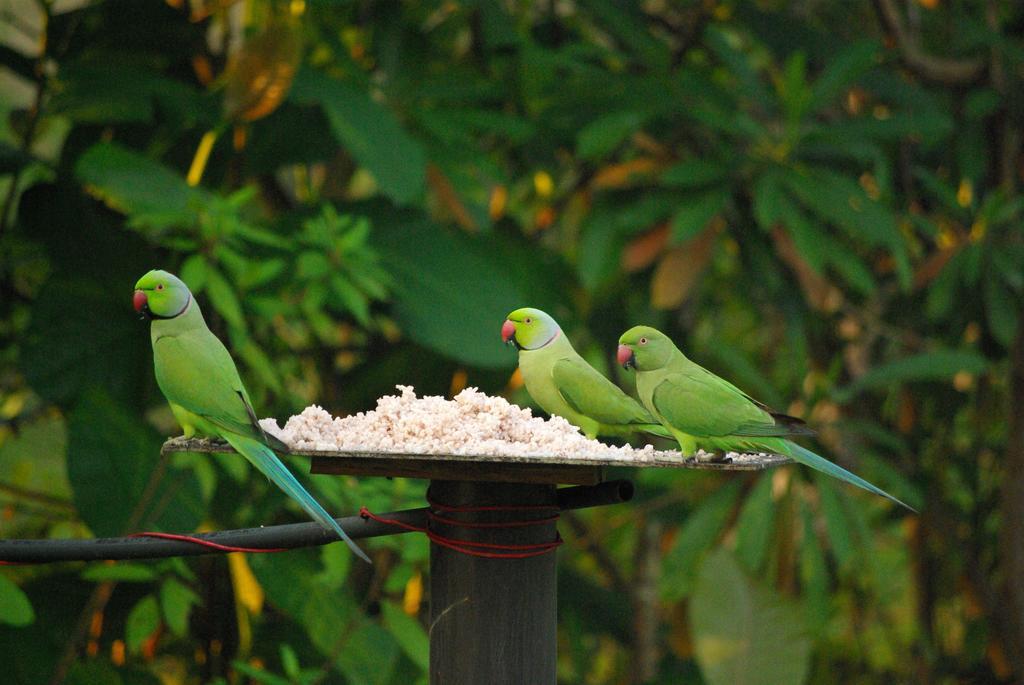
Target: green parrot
{"x":707,"y":412}
{"x":197,"y":376}
{"x":563,"y":384}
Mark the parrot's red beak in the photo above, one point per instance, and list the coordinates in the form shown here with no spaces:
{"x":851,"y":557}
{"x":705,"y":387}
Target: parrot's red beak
{"x":624,"y":355}
{"x":139,"y":300}
{"x":508,"y":332}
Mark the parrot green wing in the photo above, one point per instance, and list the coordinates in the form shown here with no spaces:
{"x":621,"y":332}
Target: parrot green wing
{"x":698,"y":402}
{"x":593,"y":395}
{"x":195,"y":370}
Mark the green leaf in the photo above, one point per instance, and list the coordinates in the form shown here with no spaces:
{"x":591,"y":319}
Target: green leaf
{"x":193,"y":273}
{"x":938,"y":365}
{"x":15,"y":607}
{"x":112,"y":455}
{"x":12,"y":159}
{"x":701,"y":529}
{"x":143,"y":620}
{"x":840,"y":535}
{"x":130,"y":573}
{"x":369,"y":656}
{"x":312,"y":265}
{"x":843,"y":69}
{"x":369,"y":131}
{"x":176,"y":601}
{"x":695,"y":173}
{"x":409,"y":634}
{"x":604,"y":134}
{"x":768,"y":198}
{"x":152,"y":195}
{"x":289,"y":661}
{"x":93,"y":672}
{"x":754,"y":526}
{"x":813,"y":573}
{"x":743,"y":632}
{"x":696,"y":211}
{"x":260,"y":675}
{"x":451,"y":291}
{"x":1001,"y":309}
{"x":841,"y":200}
{"x":350,"y":297}
{"x":67,"y":349}
{"x":223,"y":298}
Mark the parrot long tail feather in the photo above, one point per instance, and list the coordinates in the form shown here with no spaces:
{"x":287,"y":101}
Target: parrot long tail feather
{"x":263,"y":458}
{"x":809,"y":458}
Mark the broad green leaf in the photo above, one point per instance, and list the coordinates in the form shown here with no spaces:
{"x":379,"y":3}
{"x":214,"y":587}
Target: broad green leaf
{"x":76,"y":323}
{"x":842,"y":201}
{"x":369,"y":656}
{"x":260,"y":675}
{"x":981,"y":103}
{"x":93,"y":672}
{"x":937,"y":365}
{"x":452,"y":291}
{"x":176,"y":601}
{"x":12,"y":159}
{"x":409,"y":634}
{"x":369,"y":131}
{"x":813,"y":573}
{"x":112,"y":456}
{"x":123,"y":572}
{"x":754,"y":526}
{"x":852,"y":270}
{"x":193,"y":272}
{"x":701,"y":529}
{"x":143,"y":620}
{"x":602,"y":135}
{"x":15,"y":607}
{"x":843,"y":69}
{"x":695,"y":173}
{"x":600,"y":250}
{"x":840,"y":535}
{"x":223,"y":298}
{"x":1001,"y":309}
{"x":767,"y":198}
{"x":695,"y":211}
{"x":743,"y":632}
{"x":289,"y":661}
{"x":152,"y":195}
{"x":116,"y":92}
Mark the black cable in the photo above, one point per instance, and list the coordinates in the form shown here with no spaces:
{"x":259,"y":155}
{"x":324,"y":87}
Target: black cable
{"x":287,"y":536}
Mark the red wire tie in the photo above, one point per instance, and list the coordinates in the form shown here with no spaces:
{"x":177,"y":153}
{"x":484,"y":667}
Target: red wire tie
{"x":207,"y":543}
{"x":466,"y":547}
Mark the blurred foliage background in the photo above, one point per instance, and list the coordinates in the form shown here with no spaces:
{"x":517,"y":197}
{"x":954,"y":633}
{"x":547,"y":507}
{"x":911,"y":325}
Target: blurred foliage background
{"x":819,"y":201}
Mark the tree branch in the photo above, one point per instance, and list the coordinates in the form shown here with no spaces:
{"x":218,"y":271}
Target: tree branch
{"x":1012,"y":512}
{"x":945,"y":70}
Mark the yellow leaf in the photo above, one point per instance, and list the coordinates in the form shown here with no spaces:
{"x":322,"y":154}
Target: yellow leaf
{"x":620,"y":175}
{"x":679,"y":270}
{"x":965,"y":193}
{"x":543,"y":183}
{"x":413,"y":596}
{"x":248,"y":590}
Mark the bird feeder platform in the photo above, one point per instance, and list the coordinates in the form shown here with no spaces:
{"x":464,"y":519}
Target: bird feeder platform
{"x":489,"y":468}
{"x":493,"y":617}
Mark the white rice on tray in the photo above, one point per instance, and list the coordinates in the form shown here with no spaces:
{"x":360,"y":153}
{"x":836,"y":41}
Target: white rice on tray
{"x":472,"y":423}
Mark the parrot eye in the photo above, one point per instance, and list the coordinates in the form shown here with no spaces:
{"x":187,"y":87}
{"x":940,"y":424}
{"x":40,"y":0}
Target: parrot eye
{"x":528,"y":320}
{"x":159,"y":286}
{"x":643,"y":341}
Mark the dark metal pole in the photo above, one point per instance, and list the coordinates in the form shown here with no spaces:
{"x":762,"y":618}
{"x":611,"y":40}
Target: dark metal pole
{"x":492,"y":621}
